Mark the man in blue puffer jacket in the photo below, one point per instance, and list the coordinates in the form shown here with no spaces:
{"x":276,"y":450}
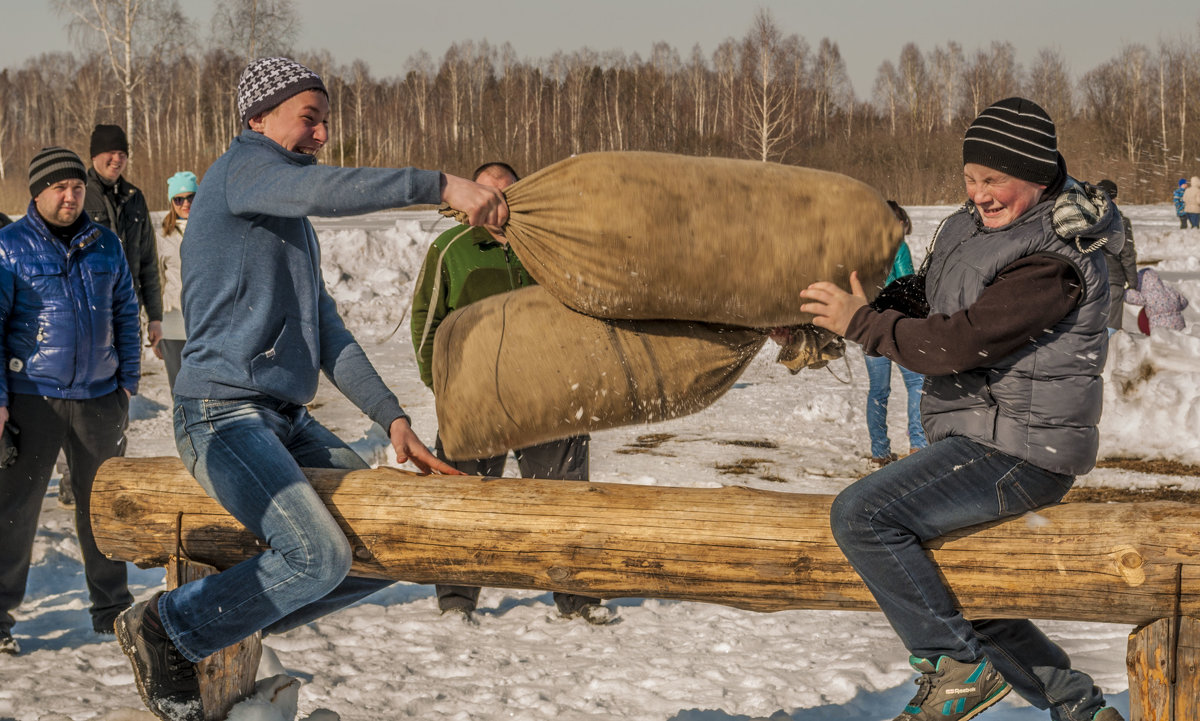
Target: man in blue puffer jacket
{"x":69,"y":331}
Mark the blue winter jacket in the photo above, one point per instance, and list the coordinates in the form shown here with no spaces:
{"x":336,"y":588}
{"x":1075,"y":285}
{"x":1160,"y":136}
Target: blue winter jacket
{"x":69,"y":316}
{"x":259,"y":320}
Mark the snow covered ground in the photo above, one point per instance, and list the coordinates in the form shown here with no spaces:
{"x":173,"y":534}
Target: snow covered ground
{"x":394,"y":657}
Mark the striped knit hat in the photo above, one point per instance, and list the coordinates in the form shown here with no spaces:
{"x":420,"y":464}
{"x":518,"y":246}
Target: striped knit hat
{"x":1014,"y":136}
{"x":51,"y":165}
{"x":267,"y":82}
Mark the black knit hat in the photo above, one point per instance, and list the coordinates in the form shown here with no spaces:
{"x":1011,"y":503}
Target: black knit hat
{"x":1014,"y":136}
{"x":106,"y":138}
{"x":51,"y":165}
{"x":267,"y":82}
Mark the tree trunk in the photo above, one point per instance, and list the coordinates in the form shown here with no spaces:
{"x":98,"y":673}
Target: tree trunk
{"x":751,"y":549}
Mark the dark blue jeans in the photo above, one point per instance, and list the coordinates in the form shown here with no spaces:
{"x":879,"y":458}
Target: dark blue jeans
{"x":247,"y":454}
{"x":880,"y":523}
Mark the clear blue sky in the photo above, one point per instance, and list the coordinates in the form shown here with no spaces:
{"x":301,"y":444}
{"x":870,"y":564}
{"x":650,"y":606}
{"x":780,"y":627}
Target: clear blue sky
{"x":385,"y":32}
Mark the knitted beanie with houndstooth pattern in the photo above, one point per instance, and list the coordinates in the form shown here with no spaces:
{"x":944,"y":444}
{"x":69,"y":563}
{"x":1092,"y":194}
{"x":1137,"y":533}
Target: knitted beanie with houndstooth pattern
{"x":267,"y":82}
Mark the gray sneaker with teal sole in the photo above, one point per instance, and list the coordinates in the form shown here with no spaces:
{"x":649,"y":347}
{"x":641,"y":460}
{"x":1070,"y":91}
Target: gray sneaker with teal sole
{"x":950,"y":690}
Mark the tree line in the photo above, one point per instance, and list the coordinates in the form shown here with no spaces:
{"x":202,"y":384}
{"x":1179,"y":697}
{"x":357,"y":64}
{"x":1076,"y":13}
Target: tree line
{"x":768,"y":96}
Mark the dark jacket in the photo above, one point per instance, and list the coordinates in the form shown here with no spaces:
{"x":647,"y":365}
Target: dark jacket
{"x":69,"y":323}
{"x":122,"y":209}
{"x":1122,"y":273}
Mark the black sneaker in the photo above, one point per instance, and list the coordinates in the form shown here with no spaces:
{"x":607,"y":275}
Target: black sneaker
{"x":593,"y":613}
{"x":8,"y":644}
{"x":166,"y":680}
{"x":66,"y":494}
{"x":951,"y":690}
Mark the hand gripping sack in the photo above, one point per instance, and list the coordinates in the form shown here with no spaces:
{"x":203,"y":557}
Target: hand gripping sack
{"x":520,"y":368}
{"x":629,"y":235}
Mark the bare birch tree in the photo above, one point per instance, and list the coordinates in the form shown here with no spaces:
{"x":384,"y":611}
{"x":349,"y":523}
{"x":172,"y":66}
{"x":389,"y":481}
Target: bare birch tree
{"x":255,"y":28}
{"x":127,"y":31}
{"x":767,"y":98}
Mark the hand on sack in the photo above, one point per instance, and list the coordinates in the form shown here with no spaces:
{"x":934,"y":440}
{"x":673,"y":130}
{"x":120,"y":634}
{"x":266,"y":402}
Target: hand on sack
{"x":833,"y":307}
{"x":482,"y":204}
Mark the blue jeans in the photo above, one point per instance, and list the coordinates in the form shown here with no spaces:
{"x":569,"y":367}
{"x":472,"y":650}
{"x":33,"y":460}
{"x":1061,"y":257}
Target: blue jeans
{"x":247,"y":454}
{"x":879,"y":377}
{"x":880,"y":523}
{"x":1193,"y":219}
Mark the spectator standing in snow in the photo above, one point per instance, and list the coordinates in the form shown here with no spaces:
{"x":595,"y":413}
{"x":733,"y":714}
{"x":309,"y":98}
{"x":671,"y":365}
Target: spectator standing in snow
{"x":465,"y":265}
{"x":69,"y":331}
{"x":1163,"y":304}
{"x":181,"y":190}
{"x":117,"y":204}
{"x":1012,"y":349}
{"x":1122,"y":265}
{"x":879,"y":373}
{"x":1191,"y":202}
{"x":1180,"y":209}
{"x":261,"y":327}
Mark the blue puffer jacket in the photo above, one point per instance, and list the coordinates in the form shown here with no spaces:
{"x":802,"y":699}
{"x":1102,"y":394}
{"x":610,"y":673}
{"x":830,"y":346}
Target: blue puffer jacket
{"x":68,"y":317}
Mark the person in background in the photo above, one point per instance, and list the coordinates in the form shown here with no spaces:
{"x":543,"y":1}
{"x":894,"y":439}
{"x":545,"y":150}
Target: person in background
{"x":5,"y":220}
{"x":181,"y":190}
{"x":1180,"y":209}
{"x":1012,"y":348}
{"x":69,"y":333}
{"x":115,"y":203}
{"x":1161,"y":304}
{"x":1191,"y":202}
{"x":262,"y":328}
{"x":465,"y":265}
{"x":879,"y":373}
{"x":120,"y":206}
{"x":1122,"y":266}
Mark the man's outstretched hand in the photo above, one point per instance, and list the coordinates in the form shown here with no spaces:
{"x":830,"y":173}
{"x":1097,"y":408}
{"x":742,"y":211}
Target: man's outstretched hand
{"x":482,"y":204}
{"x":410,"y":448}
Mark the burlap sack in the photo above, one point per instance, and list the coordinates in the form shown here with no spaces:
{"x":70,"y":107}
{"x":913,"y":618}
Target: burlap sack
{"x":520,"y":368}
{"x":659,"y":236}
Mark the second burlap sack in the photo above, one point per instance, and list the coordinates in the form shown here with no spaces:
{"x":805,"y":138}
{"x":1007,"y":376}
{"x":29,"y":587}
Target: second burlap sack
{"x":520,"y":368}
{"x":629,"y":235}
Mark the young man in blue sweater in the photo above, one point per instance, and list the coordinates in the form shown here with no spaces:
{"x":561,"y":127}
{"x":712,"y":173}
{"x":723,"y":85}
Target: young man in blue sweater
{"x":261,"y":327}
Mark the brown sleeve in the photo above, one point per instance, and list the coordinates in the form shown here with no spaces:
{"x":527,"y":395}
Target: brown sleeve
{"x":1024,"y":301}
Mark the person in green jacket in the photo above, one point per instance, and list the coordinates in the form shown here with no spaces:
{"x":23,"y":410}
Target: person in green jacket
{"x":466,"y":264}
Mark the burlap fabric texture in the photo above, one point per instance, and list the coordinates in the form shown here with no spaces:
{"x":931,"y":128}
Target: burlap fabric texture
{"x":649,"y":249}
{"x":520,"y":368}
{"x":635,"y":235}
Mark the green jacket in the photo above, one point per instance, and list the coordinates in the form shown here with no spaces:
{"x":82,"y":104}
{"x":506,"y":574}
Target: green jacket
{"x":472,"y":267}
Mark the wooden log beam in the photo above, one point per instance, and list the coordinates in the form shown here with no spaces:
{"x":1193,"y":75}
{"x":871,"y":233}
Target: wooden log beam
{"x":1129,"y":563}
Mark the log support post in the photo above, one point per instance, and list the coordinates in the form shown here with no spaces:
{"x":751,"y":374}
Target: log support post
{"x":1164,"y":670}
{"x":227,"y":676}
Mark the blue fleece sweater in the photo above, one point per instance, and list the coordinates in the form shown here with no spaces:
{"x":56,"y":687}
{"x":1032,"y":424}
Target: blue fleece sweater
{"x":258,"y":317}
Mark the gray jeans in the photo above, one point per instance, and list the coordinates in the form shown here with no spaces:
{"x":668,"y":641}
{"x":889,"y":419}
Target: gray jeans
{"x":565,"y":460}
